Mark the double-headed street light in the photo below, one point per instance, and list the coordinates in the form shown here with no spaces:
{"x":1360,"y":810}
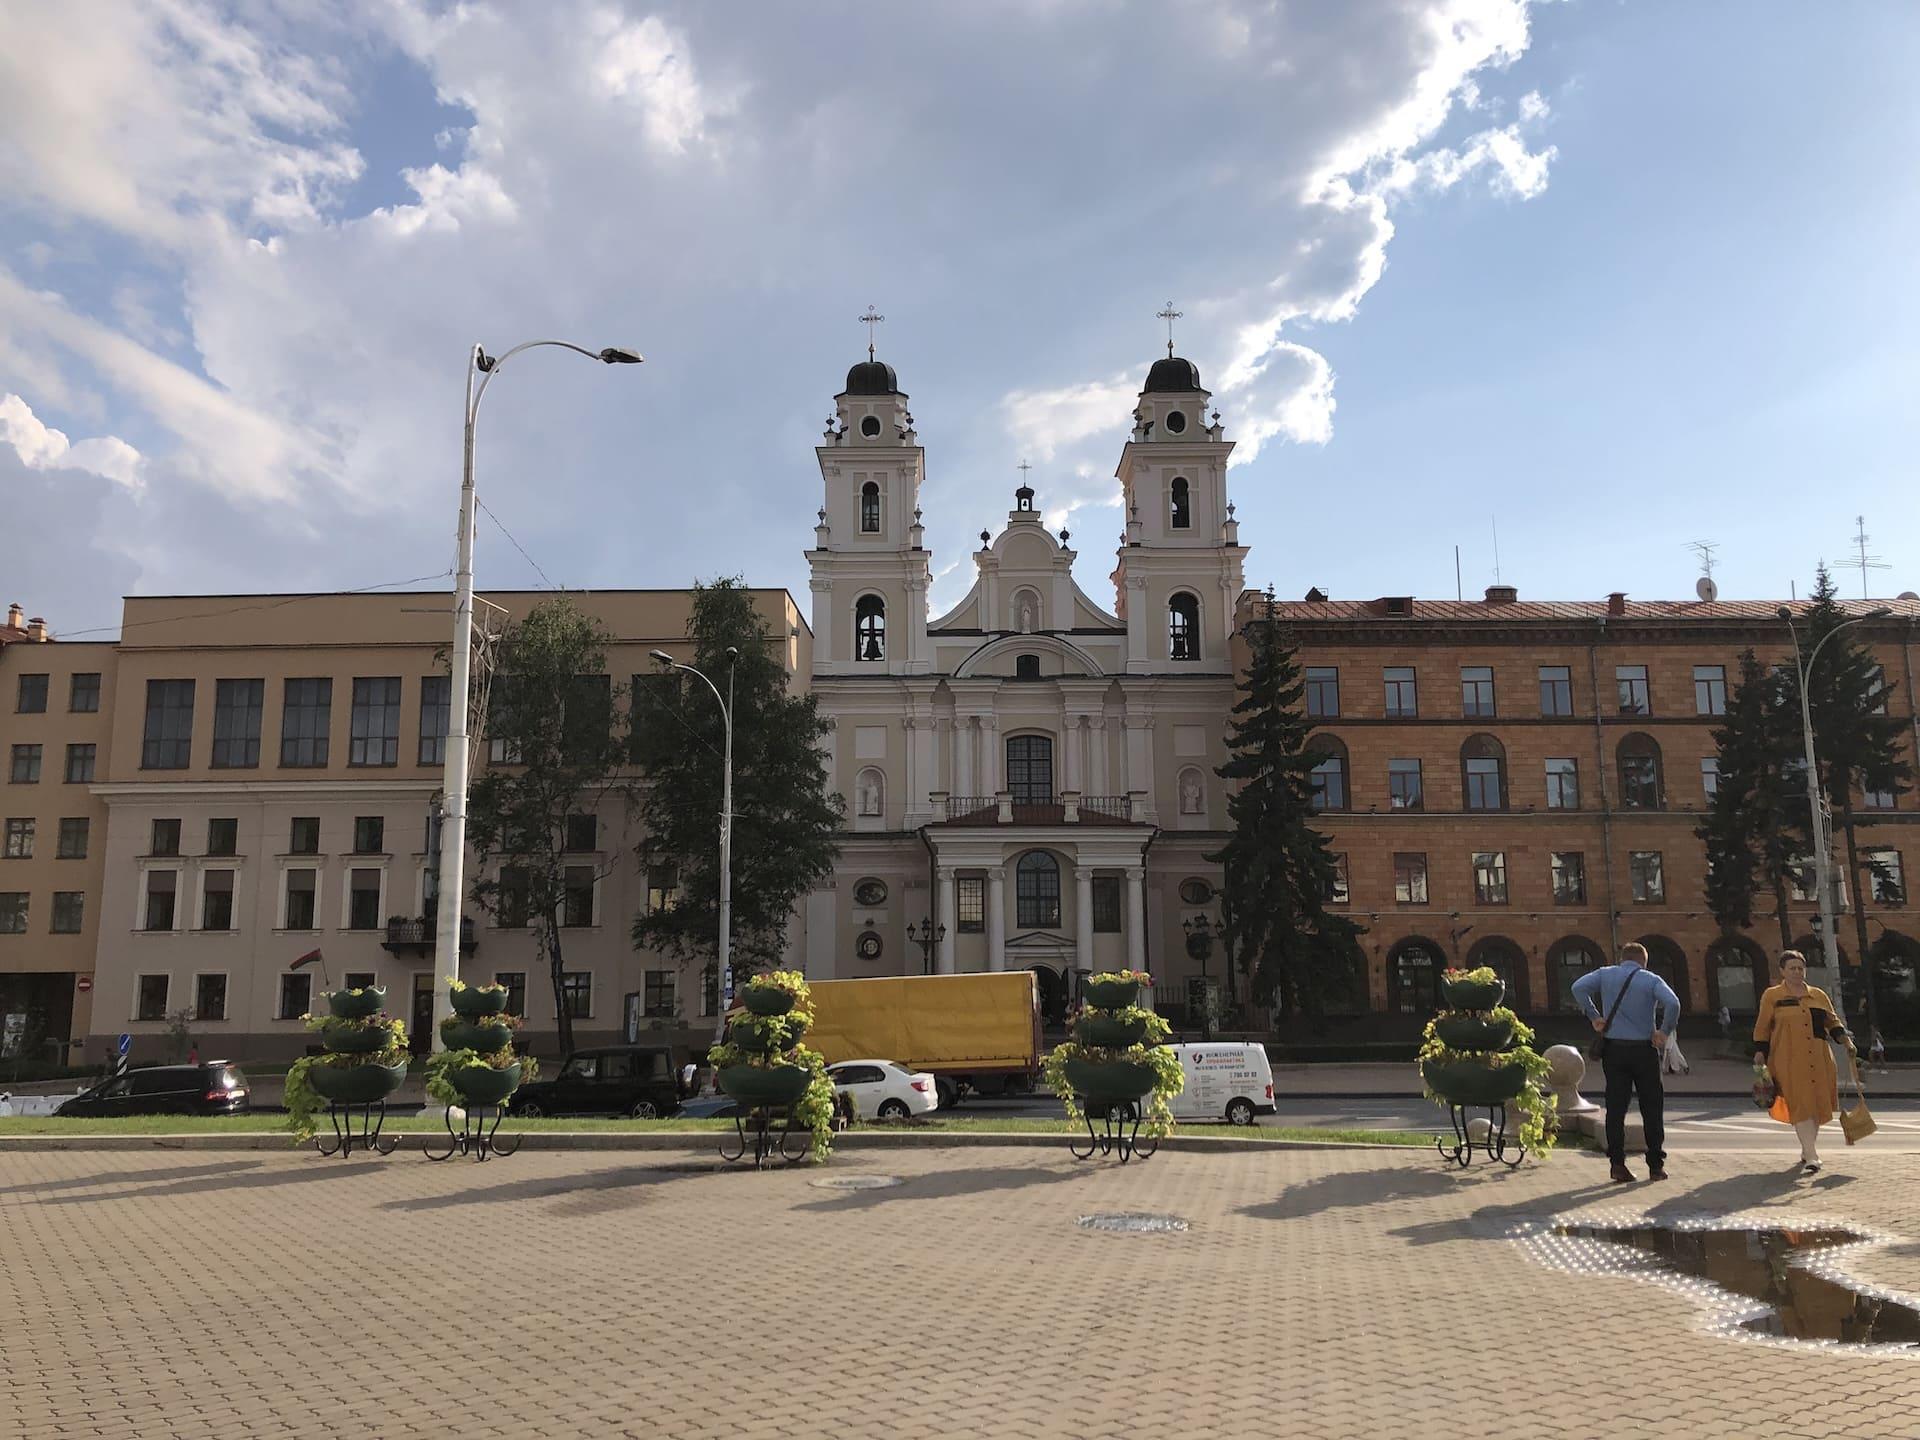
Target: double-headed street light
{"x":453,"y":822}
{"x":724,"y":957}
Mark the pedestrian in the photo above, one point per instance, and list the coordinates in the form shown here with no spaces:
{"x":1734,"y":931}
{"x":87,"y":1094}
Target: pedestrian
{"x":1726,"y":1031}
{"x":1790,"y":1044}
{"x":1877,"y":1051}
{"x":1633,"y":1011}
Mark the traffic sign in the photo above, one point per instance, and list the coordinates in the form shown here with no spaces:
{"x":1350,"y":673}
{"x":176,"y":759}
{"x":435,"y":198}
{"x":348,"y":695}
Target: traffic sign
{"x":729,"y":984}
{"x":83,"y":984}
{"x":124,"y":1044}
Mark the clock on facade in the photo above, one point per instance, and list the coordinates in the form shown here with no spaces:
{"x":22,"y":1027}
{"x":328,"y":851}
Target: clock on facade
{"x":870,"y":892}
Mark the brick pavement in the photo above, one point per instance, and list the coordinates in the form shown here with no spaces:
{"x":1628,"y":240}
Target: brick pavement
{"x":1317,"y":1294}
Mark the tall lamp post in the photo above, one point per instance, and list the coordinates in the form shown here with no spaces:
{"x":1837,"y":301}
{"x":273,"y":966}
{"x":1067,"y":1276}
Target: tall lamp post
{"x":926,"y":937}
{"x":453,"y":821}
{"x":1199,"y":946}
{"x":1816,"y":801}
{"x":724,"y":955}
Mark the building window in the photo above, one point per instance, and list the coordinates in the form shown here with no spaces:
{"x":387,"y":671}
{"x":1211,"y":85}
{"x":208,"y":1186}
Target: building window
{"x":576,"y":897}
{"x":359,"y":980}
{"x":83,"y":693}
{"x":1183,"y":627}
{"x":373,"y":725}
{"x":663,"y":888}
{"x":80,"y":760}
{"x":1030,"y":769}
{"x":33,"y":695}
{"x":1403,"y":692}
{"x":1490,"y":877}
{"x":1710,"y":689}
{"x":1710,"y":777}
{"x":970,"y":903}
{"x":1876,"y":799}
{"x":69,"y":911}
{"x":1340,"y":890}
{"x":223,"y":836}
{"x":576,"y":993}
{"x":363,"y":899}
{"x":1631,"y":683}
{"x":1640,"y":787}
{"x":167,"y":741}
{"x":72,"y":844}
{"x":306,"y":723}
{"x":516,"y":983}
{"x":583,"y":833}
{"x":1410,"y":879}
{"x":1403,"y":784}
{"x":1413,"y":979}
{"x":1037,"y":891}
{"x":1329,"y":775}
{"x":1563,"y":783}
{"x":1180,"y":506}
{"x":13,"y":912}
{"x":436,"y":710}
{"x":1556,"y":690}
{"x":870,"y":509}
{"x":302,"y":888}
{"x":870,"y":628}
{"x":237,"y":705}
{"x":513,"y":900}
{"x":369,"y":834}
{"x":1885,"y":881}
{"x":1476,"y":690}
{"x":1569,"y":877}
{"x":1648,"y":876}
{"x":1566,"y":963}
{"x":216,"y":900}
{"x":150,"y":1001}
{"x":19,"y":840}
{"x":1026,"y":667}
{"x":657,"y":1000}
{"x":304,"y":838}
{"x":1106,"y":904}
{"x":209,"y":997}
{"x":296,"y":996}
{"x":1323,"y":691}
{"x":161,"y":888}
{"x":1483,"y":770}
{"x":164,"y":838}
{"x":25,"y":769}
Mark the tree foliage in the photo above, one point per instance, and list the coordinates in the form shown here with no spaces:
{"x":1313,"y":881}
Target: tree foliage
{"x":1755,"y":829}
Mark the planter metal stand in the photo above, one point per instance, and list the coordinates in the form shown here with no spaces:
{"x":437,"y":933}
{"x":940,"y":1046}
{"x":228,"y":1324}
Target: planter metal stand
{"x":1494,"y":1147}
{"x":475,"y":1137}
{"x":340,"y":1115}
{"x":1122,"y":1133}
{"x":768,"y":1144}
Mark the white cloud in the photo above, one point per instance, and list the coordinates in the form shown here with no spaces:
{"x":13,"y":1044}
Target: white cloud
{"x":41,"y":447}
{"x":647,"y":64}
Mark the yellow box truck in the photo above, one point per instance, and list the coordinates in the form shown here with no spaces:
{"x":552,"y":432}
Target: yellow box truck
{"x":977,"y":1034}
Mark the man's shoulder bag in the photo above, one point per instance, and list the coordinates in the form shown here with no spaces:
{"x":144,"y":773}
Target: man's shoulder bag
{"x":1599,"y":1051}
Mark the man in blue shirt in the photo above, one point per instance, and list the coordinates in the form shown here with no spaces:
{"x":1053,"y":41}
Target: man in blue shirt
{"x":1633,"y":1010}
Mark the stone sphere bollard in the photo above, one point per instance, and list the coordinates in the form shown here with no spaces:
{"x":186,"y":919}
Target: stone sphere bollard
{"x":1566,"y":1068}
{"x":1479,"y":1129}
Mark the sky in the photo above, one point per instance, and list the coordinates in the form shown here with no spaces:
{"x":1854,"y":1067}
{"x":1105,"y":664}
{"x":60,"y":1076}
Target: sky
{"x":1598,"y":278}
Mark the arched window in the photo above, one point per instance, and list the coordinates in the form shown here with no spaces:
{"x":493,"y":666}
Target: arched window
{"x":1026,"y":667}
{"x":1667,"y":960}
{"x":870,"y":508}
{"x":1483,"y":773}
{"x":1030,"y":769}
{"x":1413,"y":977}
{"x":1506,"y":960}
{"x":1183,"y":626}
{"x":1567,"y":961}
{"x":1640,"y":779}
{"x":1036,"y":888}
{"x":1736,"y":974}
{"x":1330,"y":774}
{"x":1181,"y":505}
{"x":870,"y":793}
{"x":870,"y":628}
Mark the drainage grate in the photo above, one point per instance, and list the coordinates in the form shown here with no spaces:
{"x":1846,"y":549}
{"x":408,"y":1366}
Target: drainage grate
{"x":1134,"y":1222}
{"x":856,"y":1182}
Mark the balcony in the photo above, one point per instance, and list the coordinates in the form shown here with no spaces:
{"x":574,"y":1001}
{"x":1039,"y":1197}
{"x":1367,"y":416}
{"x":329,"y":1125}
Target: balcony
{"x":416,"y":937}
{"x":1067,"y":808}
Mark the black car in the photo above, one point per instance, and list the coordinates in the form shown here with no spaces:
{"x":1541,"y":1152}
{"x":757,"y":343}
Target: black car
{"x":637,"y":1080}
{"x":213,"y":1087}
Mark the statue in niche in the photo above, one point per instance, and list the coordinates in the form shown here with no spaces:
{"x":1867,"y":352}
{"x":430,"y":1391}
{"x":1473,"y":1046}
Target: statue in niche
{"x":1192,"y":799}
{"x":867,"y":794}
{"x":1023,"y":615}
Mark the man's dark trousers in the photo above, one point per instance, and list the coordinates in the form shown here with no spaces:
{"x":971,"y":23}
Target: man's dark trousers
{"x":1634,"y":1066}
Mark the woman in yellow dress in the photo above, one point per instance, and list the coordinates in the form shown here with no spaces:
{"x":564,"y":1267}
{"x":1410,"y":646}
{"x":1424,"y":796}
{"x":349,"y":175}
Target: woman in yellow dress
{"x":1790,"y":1038}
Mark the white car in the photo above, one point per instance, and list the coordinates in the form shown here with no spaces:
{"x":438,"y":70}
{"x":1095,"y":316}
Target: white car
{"x":883,"y":1090}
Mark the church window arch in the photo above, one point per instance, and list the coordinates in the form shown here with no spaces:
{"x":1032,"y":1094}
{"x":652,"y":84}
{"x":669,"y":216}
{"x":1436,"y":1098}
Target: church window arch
{"x":870,"y":628}
{"x":1030,"y":769}
{"x":1183,"y":626}
{"x":1036,"y":888}
{"x":1180,"y":504}
{"x":870,"y":508}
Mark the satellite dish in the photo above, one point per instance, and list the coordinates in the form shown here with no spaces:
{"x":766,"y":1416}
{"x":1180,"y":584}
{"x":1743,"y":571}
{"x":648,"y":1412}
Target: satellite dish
{"x":1706,"y":589}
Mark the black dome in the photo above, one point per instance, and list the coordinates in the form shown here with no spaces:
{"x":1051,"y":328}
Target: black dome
{"x":1172,"y":375}
{"x":872,"y":377}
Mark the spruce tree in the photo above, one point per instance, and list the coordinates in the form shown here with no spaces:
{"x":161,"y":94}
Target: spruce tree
{"x":1756,"y":824}
{"x":1279,"y":872}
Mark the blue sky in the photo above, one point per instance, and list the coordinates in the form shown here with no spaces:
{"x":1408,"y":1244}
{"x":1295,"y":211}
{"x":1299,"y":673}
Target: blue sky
{"x":1616,"y":276}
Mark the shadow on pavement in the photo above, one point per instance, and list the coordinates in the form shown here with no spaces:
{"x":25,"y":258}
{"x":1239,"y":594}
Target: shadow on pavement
{"x":244,"y":1175}
{"x":947,"y":1185}
{"x":129,"y":1177}
{"x":597,"y":1191}
{"x":1756,"y":1190}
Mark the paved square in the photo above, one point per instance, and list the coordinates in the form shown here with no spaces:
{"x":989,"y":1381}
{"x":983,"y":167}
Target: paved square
{"x":1317,"y":1293}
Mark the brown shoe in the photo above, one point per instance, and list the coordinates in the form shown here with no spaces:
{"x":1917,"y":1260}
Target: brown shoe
{"x":1623,"y":1176}
{"x":1658,"y":1172}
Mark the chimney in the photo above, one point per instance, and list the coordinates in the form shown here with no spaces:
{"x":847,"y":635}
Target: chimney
{"x":37,"y":629}
{"x":16,"y":617}
{"x":1617,"y":603}
{"x":1502,"y":594}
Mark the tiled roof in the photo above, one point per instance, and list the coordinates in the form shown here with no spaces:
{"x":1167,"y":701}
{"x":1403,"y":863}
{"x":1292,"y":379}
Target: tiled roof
{"x":1467,"y":611}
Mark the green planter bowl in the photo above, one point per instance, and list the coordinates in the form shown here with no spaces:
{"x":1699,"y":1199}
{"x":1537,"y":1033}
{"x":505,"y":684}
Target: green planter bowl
{"x":349,"y":1006}
{"x":1468,"y":1032}
{"x":355,"y":1039}
{"x":484,"y":1036}
{"x":766,"y":1000}
{"x":1110,"y":994}
{"x":1105,"y":1032}
{"x":1472,"y":994}
{"x":483,"y":1085}
{"x":755,"y":1085}
{"x":767,"y":1034}
{"x":1109,"y":1082}
{"x":1462,"y":1082}
{"x":476,"y":1004}
{"x":356,"y":1084}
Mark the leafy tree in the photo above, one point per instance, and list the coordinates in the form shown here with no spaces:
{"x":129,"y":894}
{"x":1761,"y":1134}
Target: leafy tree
{"x":1279,"y":871}
{"x":785,"y":816}
{"x":1756,"y":825}
{"x":554,"y":718}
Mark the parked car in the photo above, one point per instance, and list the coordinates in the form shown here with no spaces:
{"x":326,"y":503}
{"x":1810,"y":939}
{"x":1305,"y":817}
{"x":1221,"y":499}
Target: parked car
{"x":880,"y":1089}
{"x":637,"y":1080}
{"x":708,"y":1107}
{"x":1225,"y":1081}
{"x":213,"y":1087}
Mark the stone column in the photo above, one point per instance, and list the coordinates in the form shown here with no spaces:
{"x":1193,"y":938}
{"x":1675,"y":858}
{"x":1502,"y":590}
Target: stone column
{"x":963,"y":755}
{"x":1136,"y":921}
{"x":1083,"y":917}
{"x":997,"y":918}
{"x":949,"y":919}
{"x":822,"y":621}
{"x":1070,"y":746}
{"x":989,"y":755}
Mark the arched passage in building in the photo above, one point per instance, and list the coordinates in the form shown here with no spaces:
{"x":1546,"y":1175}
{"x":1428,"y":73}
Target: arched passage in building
{"x":1509,"y":962}
{"x":1567,"y":960}
{"x":1667,"y":960}
{"x":1413,"y":976}
{"x":1736,"y":974}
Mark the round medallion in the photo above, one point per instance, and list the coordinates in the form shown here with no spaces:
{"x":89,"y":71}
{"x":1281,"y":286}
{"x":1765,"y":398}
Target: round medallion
{"x":870,"y":892}
{"x":1176,"y":422}
{"x":1195,"y":891}
{"x":870,"y":426}
{"x":868,"y":946}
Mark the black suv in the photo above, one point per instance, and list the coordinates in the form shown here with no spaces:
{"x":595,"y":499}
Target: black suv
{"x":636,"y":1080}
{"x":213,"y":1087}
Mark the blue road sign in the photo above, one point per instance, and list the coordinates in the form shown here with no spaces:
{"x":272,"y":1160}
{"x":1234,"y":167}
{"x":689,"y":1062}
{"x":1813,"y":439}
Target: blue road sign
{"x":125,"y":1044}
{"x":729,"y":984}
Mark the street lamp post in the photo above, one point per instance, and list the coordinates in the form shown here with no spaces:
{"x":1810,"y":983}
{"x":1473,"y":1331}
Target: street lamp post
{"x":724,"y":956}
{"x":1200,"y":946}
{"x":453,"y":821}
{"x":1816,"y":801}
{"x":928,"y":936}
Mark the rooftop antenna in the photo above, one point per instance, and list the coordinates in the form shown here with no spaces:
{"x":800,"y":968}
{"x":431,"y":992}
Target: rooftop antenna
{"x":1458,"y":593}
{"x":1705,"y":587}
{"x":1863,"y":562}
{"x":1169,"y":315}
{"x":1495,"y":521}
{"x":871,"y":319}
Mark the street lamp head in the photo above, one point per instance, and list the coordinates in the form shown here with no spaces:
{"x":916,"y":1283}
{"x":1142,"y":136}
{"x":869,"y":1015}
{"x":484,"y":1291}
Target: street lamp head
{"x":661,"y":656}
{"x":620,"y":355}
{"x":1784,"y":613}
{"x":1878,"y":613}
{"x":733,"y":652}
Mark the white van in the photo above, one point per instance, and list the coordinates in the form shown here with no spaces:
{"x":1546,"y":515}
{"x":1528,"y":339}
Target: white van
{"x":1225,"y":1081}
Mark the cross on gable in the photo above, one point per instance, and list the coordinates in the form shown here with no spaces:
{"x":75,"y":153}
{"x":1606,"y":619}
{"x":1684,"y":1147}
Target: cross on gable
{"x":873,"y":318}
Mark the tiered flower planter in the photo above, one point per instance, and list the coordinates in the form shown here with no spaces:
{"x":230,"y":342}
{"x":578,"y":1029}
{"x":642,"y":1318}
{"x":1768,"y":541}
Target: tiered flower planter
{"x":773,"y":1079}
{"x":365,"y":1062}
{"x":1478,"y":1056}
{"x":477,"y":1073}
{"x":1114,"y":1062}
